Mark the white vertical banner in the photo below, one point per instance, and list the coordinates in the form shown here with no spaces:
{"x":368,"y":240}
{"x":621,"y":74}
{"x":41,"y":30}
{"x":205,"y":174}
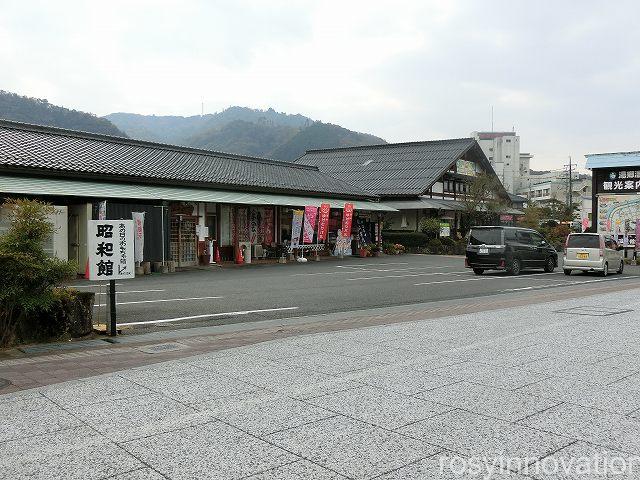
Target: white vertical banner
{"x":102,"y":210}
{"x":138,"y":235}
{"x":296,"y":228}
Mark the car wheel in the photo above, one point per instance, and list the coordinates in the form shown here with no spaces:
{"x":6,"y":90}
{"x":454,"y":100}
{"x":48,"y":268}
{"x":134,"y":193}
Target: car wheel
{"x":550,"y":265}
{"x":567,"y":272}
{"x":514,"y":268}
{"x":478,"y":271}
{"x":605,"y":269}
{"x":621,"y":269}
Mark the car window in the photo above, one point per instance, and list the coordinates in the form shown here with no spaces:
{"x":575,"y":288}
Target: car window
{"x":536,"y":239}
{"x":524,"y":237}
{"x":509,"y":235}
{"x":485,"y":236}
{"x":583,"y":241}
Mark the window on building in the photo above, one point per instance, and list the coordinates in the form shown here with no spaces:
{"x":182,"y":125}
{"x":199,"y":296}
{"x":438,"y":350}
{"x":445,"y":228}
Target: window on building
{"x":508,"y":156}
{"x":508,"y":140}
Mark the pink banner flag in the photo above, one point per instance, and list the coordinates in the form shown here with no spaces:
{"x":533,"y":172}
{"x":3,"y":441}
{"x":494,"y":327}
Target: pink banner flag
{"x":310,"y":214}
{"x":323,"y":222}
{"x":347,"y":218}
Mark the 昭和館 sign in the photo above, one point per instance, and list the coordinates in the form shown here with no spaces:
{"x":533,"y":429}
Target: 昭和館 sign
{"x":110,"y":249}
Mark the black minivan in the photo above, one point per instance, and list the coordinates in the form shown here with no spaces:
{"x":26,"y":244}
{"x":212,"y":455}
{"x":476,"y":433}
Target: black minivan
{"x":509,"y":248}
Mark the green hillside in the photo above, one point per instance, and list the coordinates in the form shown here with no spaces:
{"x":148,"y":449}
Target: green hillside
{"x":241,"y":130}
{"x":39,"y":111}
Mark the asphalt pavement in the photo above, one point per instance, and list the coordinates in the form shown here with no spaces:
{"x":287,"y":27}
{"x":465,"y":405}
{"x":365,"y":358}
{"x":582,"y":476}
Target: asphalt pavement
{"x":215,"y":295}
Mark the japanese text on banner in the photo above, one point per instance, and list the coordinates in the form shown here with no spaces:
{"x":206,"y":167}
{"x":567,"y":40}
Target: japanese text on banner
{"x":310,"y":214}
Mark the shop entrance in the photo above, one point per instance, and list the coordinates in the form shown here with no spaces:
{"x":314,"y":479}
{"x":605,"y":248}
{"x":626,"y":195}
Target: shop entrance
{"x":183,"y":240}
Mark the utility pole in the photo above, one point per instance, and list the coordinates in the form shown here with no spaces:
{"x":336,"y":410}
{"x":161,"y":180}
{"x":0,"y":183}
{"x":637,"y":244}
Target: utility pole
{"x":570,"y":187}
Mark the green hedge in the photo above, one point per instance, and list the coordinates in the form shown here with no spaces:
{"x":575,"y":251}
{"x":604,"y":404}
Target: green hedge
{"x":408,"y":239}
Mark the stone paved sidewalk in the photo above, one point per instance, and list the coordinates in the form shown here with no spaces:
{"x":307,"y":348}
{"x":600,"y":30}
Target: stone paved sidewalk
{"x":545,"y":382}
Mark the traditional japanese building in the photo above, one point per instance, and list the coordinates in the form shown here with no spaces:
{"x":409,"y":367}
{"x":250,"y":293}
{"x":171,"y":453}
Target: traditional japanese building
{"x":189,"y":196}
{"x":419,"y":179}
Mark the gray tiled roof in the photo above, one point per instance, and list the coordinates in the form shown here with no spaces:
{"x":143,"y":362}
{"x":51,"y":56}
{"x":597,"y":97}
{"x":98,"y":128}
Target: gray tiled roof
{"x":49,"y":150}
{"x":395,"y":169}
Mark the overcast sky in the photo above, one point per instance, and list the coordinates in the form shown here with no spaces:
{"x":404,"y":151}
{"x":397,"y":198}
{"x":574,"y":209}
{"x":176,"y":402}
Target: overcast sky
{"x":564,"y":74}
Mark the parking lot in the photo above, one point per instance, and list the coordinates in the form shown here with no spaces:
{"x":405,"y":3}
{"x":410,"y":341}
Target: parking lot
{"x":249,"y":293}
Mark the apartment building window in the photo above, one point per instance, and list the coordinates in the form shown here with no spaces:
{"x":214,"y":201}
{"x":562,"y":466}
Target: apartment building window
{"x":508,"y":140}
{"x":508,"y":156}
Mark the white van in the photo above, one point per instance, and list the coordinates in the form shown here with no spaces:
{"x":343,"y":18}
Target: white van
{"x":592,"y":252}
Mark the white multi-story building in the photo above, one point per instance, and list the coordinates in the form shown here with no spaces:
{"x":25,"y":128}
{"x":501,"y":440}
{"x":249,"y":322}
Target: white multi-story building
{"x":544,"y":186}
{"x":503,"y":151}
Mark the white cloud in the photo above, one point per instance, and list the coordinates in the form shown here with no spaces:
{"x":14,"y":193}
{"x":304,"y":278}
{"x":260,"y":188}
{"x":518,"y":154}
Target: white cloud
{"x":564,"y":74}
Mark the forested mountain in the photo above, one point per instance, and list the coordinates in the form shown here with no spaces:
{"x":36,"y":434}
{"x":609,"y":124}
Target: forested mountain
{"x":241,"y":130}
{"x":322,"y":135}
{"x":174,"y":129}
{"x":246,"y":131}
{"x":41,"y":112}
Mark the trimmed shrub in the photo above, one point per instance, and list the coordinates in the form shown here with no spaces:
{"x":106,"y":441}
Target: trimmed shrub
{"x":430,"y":226}
{"x":69,"y":315}
{"x":408,"y":239}
{"x":29,"y":276}
{"x":435,"y":246}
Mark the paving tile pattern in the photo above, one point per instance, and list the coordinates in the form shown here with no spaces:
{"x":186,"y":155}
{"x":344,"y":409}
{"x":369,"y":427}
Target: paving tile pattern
{"x":390,"y":402}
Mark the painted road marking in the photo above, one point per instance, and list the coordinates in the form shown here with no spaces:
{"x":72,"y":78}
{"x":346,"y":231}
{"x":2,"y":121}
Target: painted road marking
{"x":476,"y":279}
{"x":159,"y":301}
{"x":565,"y":284}
{"x":209,"y":315}
{"x":371,"y":265}
{"x":404,"y":276}
{"x":349,"y":272}
{"x":131,"y":291}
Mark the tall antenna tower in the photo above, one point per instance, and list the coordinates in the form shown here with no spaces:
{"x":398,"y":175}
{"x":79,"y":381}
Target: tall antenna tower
{"x":492,"y":118}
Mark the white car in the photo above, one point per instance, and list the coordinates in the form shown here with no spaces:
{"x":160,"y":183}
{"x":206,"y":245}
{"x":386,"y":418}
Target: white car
{"x":592,"y":252}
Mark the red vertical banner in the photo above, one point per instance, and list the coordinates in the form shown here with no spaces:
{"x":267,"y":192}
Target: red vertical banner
{"x":309,"y":225}
{"x":323,"y":222}
{"x":268,"y":225}
{"x":347,"y":218}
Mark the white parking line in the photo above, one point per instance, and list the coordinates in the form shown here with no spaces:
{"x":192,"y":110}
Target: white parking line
{"x":365,"y":270}
{"x":405,"y":275}
{"x":565,"y":284}
{"x":209,"y":315}
{"x":159,"y":301}
{"x":372,"y":265}
{"x":459,"y":280}
{"x":131,"y":291}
